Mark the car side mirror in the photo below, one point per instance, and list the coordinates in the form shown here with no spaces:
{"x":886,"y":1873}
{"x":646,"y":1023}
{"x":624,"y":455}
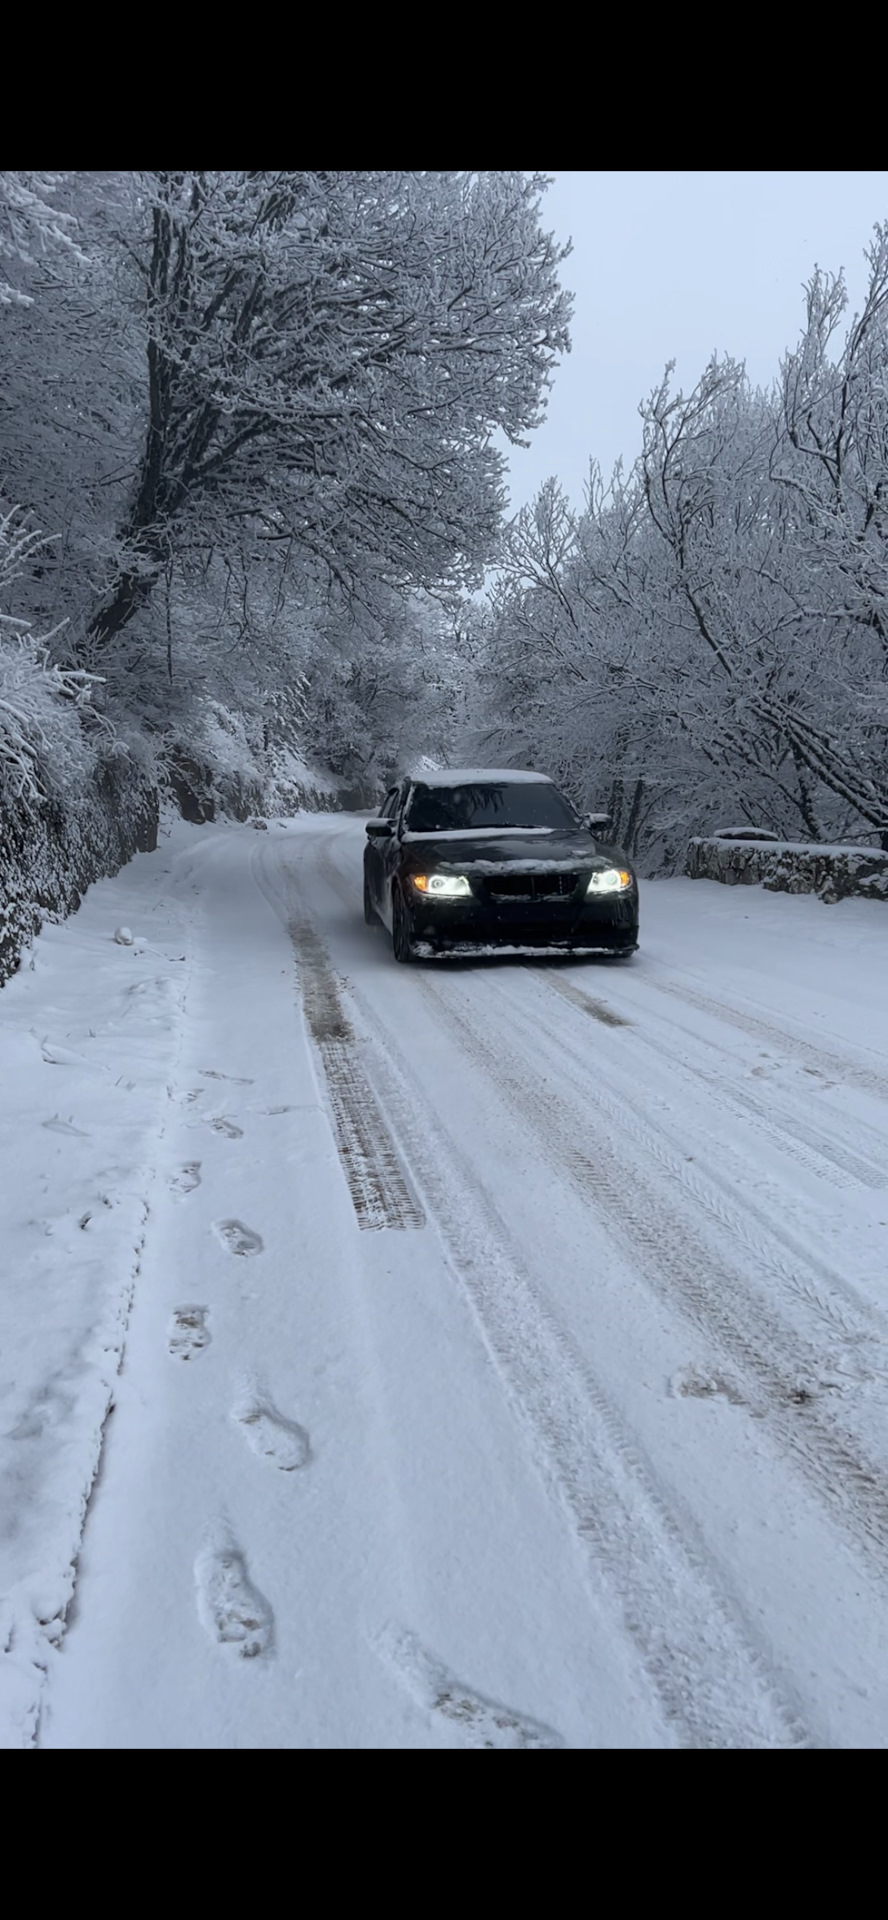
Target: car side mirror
{"x":380,"y":829}
{"x":600,"y":824}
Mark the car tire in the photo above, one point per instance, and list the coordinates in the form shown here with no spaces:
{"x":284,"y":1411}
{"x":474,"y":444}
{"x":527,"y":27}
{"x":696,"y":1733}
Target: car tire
{"x":370,"y":914}
{"x":402,"y":930}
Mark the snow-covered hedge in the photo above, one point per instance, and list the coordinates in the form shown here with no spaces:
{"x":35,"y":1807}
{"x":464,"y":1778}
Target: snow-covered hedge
{"x":787,"y":866}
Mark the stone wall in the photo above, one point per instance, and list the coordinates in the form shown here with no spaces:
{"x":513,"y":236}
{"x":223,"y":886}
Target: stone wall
{"x":833,"y":873}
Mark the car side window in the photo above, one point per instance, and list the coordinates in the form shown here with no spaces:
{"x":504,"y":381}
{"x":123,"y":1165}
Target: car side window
{"x":391,"y":800}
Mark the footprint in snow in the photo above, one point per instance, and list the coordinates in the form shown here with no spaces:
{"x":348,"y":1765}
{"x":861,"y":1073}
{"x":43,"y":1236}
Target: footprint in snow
{"x":158,"y":992}
{"x":483,"y":1723}
{"x":188,"y":1332}
{"x":237,"y":1238}
{"x":221,"y":1125}
{"x":55,"y":1125}
{"x":230,"y":1608}
{"x":187,"y":1178}
{"x":280,"y":1441}
{"x":693,"y":1384}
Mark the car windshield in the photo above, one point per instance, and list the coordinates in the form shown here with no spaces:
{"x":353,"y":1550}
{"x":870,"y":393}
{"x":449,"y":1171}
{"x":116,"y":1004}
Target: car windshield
{"x":527,"y":803}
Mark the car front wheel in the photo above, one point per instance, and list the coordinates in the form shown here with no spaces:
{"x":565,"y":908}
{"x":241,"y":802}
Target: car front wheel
{"x":402,"y":929}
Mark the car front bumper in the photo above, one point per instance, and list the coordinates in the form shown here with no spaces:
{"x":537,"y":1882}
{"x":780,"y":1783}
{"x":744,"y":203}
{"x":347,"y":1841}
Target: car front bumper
{"x":454,"y":927}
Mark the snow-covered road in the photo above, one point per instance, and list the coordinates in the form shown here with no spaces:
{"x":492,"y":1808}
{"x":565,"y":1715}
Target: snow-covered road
{"x":504,"y":1345}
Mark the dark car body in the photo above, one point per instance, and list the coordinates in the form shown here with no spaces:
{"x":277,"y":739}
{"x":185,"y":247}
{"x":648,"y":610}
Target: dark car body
{"x":519,"y":855}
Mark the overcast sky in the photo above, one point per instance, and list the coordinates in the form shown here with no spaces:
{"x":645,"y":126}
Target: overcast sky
{"x":672,"y":266}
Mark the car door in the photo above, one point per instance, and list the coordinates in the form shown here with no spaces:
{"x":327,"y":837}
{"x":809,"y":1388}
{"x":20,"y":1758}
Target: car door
{"x":375,"y":850}
{"x":390,"y":853}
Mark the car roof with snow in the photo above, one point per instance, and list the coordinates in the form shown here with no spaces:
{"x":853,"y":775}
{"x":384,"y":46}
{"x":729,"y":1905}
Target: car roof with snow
{"x":475,"y":776}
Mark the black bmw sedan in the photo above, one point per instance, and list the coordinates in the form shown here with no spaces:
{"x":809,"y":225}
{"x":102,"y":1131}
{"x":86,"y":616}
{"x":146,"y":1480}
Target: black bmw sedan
{"x":479,"y":861}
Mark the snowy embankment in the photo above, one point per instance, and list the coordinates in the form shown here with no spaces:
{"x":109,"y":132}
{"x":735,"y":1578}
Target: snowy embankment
{"x":89,"y":1030}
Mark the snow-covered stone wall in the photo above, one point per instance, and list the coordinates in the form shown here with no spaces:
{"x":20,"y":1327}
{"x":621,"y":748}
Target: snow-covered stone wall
{"x":785,"y":866}
{"x":51,"y":851}
{"x":229,"y":778}
{"x":50,"y":854}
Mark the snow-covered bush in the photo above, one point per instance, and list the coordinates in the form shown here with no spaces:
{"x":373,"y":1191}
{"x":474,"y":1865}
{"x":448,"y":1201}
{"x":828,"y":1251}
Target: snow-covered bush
{"x":75,"y":801}
{"x":30,"y":223}
{"x":46,"y":751}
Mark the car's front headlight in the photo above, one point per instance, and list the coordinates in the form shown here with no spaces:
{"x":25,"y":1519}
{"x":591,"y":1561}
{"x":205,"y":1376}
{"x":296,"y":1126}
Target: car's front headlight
{"x":610,"y":880}
{"x":444,"y":886}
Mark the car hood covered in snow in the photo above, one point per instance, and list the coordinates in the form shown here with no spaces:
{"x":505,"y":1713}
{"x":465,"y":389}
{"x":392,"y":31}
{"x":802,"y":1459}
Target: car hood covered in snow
{"x":530,"y":850}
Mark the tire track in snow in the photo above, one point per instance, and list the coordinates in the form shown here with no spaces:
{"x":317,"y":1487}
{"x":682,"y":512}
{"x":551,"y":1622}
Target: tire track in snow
{"x":781,"y":1368}
{"x":377,"y":1182}
{"x":612,"y":1088}
{"x":712,"y":1680}
{"x":807,"y":1144}
{"x":818,"y":1058}
{"x":381,"y":1193}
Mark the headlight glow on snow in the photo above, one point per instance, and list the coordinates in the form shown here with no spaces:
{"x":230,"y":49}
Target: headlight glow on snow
{"x":610,"y":880}
{"x":445,"y":886}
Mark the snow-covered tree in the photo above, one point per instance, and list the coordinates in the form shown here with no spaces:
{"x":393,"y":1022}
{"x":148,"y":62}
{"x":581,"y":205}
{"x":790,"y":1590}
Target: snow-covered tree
{"x":708,"y":639}
{"x":253,"y":414}
{"x":330,"y":355}
{"x":44,"y":751}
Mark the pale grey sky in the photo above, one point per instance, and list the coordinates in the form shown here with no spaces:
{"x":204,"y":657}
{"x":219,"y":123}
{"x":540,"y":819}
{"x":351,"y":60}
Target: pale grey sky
{"x":672,"y":266}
